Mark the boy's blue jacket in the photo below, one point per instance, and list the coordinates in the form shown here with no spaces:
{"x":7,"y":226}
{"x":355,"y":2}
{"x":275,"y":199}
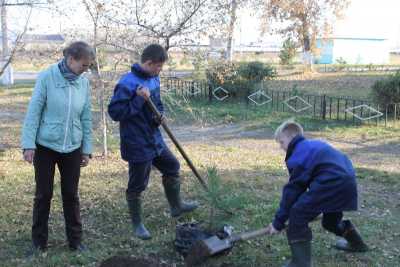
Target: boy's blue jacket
{"x":141,"y":139}
{"x":322,"y":179}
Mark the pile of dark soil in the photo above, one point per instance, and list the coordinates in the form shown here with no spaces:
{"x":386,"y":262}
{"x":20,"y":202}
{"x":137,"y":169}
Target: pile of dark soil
{"x":126,"y":261}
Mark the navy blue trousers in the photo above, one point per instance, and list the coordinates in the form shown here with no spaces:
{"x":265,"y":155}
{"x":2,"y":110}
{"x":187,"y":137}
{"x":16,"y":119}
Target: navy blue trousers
{"x":298,"y":229}
{"x":139,"y":172}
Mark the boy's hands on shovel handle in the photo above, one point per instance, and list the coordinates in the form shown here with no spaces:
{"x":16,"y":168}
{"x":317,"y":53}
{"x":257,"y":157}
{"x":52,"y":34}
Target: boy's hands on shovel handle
{"x":271,"y":230}
{"x":143,"y":92}
{"x":159,"y":121}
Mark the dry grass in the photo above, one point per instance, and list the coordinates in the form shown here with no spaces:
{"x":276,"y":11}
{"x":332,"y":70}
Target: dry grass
{"x":251,"y":170}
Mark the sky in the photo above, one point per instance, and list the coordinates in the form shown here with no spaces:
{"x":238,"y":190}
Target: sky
{"x":363,"y":19}
{"x":372,"y":19}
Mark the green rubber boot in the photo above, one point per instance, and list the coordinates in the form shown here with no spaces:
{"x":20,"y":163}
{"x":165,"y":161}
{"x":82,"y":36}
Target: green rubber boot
{"x":135,"y":210}
{"x":301,"y":254}
{"x":172,"y":187}
{"x":352,"y":241}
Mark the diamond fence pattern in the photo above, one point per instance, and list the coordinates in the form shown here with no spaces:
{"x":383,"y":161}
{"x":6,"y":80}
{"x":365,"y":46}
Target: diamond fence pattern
{"x":323,"y":107}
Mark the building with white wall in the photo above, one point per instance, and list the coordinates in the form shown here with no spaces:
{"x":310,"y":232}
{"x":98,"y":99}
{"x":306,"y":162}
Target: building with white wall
{"x":352,"y":50}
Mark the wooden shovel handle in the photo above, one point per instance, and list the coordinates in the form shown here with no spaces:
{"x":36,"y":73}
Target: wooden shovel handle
{"x":178,"y":146}
{"x":249,"y":235}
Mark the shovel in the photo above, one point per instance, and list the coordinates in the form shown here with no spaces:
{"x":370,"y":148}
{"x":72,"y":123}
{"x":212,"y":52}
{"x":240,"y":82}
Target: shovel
{"x":178,"y":146}
{"x":206,"y":248}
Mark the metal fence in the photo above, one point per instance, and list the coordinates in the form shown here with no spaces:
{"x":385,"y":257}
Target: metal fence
{"x":356,"y":68}
{"x":324,"y":107}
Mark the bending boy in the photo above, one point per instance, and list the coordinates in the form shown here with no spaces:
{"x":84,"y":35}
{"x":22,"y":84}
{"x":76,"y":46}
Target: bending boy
{"x":322,"y":180}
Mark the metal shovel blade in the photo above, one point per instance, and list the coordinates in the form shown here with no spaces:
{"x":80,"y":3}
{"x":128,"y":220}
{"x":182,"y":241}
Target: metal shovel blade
{"x":203,"y":249}
{"x":216,"y":245}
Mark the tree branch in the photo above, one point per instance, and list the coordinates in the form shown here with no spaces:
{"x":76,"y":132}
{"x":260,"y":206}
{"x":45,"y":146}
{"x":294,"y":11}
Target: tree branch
{"x":18,"y":42}
{"x":182,"y":24}
{"x":25,"y":3}
{"x":149,"y":28}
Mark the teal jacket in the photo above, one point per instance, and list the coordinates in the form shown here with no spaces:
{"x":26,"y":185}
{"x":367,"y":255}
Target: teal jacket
{"x":59,"y":114}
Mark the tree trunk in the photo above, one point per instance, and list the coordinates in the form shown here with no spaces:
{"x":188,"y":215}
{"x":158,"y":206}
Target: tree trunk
{"x":4,"y":30}
{"x":231,"y":30}
{"x":103,"y":118}
{"x":6,"y":70}
{"x":167,"y":44}
{"x":307,"y":55}
{"x":100,"y":83}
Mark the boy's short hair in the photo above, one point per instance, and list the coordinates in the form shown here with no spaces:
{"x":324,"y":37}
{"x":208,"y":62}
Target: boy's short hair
{"x":289,"y":127}
{"x":155,"y":53}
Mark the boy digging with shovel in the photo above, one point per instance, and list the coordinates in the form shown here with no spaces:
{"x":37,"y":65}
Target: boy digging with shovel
{"x":322,"y":180}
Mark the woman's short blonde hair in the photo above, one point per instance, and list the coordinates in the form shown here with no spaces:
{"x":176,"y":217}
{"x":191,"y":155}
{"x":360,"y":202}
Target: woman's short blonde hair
{"x":290,"y":128}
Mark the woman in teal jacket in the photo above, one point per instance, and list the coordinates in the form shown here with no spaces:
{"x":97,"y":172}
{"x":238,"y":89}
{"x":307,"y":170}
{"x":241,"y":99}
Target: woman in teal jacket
{"x":58,"y":131}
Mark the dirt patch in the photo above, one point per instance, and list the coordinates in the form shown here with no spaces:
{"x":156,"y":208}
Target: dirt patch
{"x":221,"y":132}
{"x":127,"y":261}
{"x":377,"y":152}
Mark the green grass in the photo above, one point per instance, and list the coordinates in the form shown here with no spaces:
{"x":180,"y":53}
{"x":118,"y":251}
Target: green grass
{"x":183,"y":111}
{"x":249,"y":175}
{"x":333,"y":84}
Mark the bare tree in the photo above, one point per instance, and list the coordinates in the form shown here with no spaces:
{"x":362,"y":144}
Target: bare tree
{"x":231,"y":29}
{"x":228,"y":11}
{"x":109,"y":40}
{"x":23,"y":3}
{"x":7,"y":55}
{"x":18,"y":44}
{"x":96,"y":11}
{"x":304,"y":20}
{"x":169,"y":22}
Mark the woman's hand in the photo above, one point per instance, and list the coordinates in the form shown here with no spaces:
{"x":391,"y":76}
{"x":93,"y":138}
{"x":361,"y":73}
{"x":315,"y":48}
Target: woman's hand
{"x":85,"y":160}
{"x":28,"y":155}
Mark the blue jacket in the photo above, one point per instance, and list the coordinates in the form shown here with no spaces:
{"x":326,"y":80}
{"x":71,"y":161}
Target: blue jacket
{"x":59,"y":114}
{"x":322,"y":179}
{"x":141,"y":139}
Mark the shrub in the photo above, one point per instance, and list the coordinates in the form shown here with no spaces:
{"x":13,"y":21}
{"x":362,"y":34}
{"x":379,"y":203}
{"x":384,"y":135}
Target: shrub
{"x":341,"y":61}
{"x":221,"y":72}
{"x":256,"y":71}
{"x":288,"y":52}
{"x":238,"y":79}
{"x":387,"y":91}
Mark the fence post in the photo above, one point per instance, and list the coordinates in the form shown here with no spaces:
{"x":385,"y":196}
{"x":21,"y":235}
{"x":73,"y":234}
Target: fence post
{"x":338,"y":109}
{"x":210,"y":92}
{"x":386,"y":115}
{"x":324,"y":107}
{"x":377,"y":118}
{"x":246,"y":96}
